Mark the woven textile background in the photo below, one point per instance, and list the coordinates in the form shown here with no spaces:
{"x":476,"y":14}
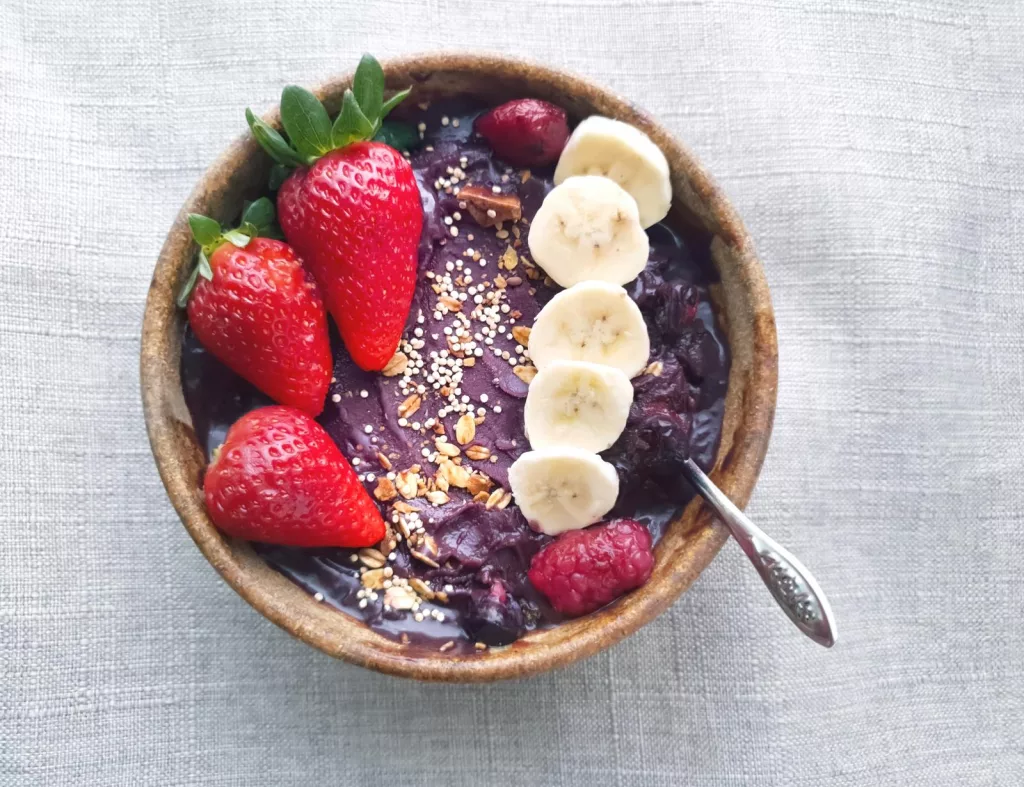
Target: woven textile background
{"x":876,"y":152}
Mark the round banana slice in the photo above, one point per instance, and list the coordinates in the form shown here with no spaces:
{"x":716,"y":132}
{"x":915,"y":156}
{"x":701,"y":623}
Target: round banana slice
{"x":617,"y":150}
{"x":577,"y":404}
{"x":560,"y":489}
{"x":592,"y":321}
{"x":589,"y":228}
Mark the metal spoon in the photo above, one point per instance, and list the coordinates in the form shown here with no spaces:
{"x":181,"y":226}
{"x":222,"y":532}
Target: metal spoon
{"x":792,"y":585}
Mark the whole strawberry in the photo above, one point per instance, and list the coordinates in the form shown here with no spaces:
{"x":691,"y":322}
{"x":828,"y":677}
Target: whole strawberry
{"x":351,"y":208}
{"x":526,"y":132}
{"x":583,"y":570}
{"x":253,"y":306}
{"x":280,"y":479}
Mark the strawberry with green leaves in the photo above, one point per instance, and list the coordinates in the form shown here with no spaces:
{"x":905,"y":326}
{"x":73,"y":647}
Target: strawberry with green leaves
{"x":351,"y":208}
{"x":253,"y":305}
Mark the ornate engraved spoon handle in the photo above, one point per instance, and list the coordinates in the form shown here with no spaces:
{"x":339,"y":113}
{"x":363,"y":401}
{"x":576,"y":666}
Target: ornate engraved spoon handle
{"x":792,"y":585}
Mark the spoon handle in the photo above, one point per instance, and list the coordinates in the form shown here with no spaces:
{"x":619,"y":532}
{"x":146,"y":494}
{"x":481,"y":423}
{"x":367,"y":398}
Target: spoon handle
{"x":789,"y":582}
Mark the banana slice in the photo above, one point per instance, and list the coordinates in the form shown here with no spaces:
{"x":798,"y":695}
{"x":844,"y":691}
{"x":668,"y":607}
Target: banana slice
{"x":589,"y":228}
{"x":577,"y":404}
{"x":617,"y":150}
{"x":561,"y":489}
{"x":595,"y":322}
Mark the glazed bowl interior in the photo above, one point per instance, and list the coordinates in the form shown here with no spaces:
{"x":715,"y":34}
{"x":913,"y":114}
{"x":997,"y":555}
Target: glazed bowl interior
{"x":744,"y":311}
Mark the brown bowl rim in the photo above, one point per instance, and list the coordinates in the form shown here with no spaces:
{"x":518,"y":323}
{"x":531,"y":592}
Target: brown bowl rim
{"x":736,"y":473}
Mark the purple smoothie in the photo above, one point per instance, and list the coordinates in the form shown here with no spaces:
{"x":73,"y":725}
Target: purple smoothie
{"x":482,"y":555}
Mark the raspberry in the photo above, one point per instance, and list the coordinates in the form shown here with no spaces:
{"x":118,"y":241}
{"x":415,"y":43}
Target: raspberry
{"x":526,"y":132}
{"x":585,"y":569}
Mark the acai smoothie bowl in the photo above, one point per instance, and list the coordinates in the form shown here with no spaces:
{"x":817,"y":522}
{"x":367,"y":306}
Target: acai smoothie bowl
{"x":425,"y":351}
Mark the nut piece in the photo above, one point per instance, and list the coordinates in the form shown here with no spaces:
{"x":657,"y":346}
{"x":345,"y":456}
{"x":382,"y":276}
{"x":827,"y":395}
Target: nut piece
{"x":373,"y":580}
{"x":495,"y":497}
{"x":456,"y":475}
{"x":489,"y":209}
{"x":440,"y":482}
{"x":452,"y":304}
{"x":407,"y":483}
{"x":500,"y":281}
{"x":437,"y":498}
{"x":421,"y":588}
{"x":521,"y":333}
{"x":478,"y":453}
{"x":465,"y":429}
{"x":479,"y":484}
{"x":385,"y":490}
{"x":410,"y":405}
{"x":525,"y":373}
{"x":372,"y":558}
{"x":509,"y":259}
{"x":399,"y":361}
{"x":655,"y":369}
{"x":403,"y":508}
{"x":424,"y":558}
{"x":446,"y":448}
{"x":480,"y":497}
{"x":389,"y":543}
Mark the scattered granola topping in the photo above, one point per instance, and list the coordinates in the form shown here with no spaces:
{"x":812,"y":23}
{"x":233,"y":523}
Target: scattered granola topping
{"x":489,"y":208}
{"x":525,"y":373}
{"x":465,"y":429}
{"x":398,"y":364}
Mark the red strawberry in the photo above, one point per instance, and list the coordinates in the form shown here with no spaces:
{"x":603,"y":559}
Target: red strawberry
{"x":526,"y":132}
{"x":356,"y":216}
{"x":583,"y":570}
{"x":351,"y":208}
{"x":252,"y":304}
{"x":279,"y":478}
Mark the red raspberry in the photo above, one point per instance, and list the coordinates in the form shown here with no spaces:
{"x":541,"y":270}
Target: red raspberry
{"x":585,"y":569}
{"x":526,"y":132}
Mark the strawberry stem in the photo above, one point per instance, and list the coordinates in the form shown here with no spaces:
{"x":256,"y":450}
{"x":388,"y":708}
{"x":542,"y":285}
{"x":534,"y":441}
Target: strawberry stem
{"x":257,"y":220}
{"x":308,"y":126}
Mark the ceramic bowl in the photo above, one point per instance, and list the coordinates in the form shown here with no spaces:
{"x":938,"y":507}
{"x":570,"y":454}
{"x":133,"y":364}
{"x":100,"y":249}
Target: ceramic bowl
{"x":744,"y":309}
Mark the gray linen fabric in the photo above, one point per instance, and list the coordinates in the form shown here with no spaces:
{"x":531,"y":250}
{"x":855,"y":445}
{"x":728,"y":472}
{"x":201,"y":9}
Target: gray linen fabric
{"x":876,"y":152}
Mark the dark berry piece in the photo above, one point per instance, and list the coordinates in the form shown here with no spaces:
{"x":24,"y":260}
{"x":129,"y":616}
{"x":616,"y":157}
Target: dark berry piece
{"x":496,"y":618}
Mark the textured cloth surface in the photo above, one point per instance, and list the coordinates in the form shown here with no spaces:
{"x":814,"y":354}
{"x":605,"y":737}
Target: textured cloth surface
{"x":875,"y":150}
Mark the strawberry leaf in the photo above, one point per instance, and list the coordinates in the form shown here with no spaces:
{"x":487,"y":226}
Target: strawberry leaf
{"x":306,"y":121}
{"x":394,"y":101}
{"x":352,"y":125}
{"x":368,"y":86}
{"x":273,"y":143}
{"x":260,"y":213}
{"x":237,"y":238}
{"x":204,"y":267}
{"x":205,"y":230}
{"x":278,"y":174}
{"x":186,"y":291}
{"x":400,"y":136}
